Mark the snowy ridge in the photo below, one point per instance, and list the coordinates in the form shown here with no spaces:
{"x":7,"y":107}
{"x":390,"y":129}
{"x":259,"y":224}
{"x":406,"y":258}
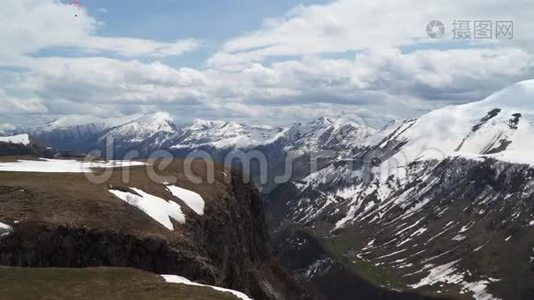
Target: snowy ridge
{"x":326,"y":133}
{"x":223,"y":135}
{"x":76,"y":128}
{"x":142,"y":128}
{"x":158,"y":131}
{"x":84,"y":120}
{"x":500,"y":127}
{"x":22,"y":139}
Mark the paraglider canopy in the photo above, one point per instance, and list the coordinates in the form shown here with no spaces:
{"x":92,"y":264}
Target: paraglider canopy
{"x":76,"y":4}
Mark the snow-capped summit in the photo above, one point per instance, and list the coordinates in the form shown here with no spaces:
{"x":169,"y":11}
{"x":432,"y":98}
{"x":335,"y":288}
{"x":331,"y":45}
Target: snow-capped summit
{"x":500,"y":126}
{"x":328,"y":133}
{"x":200,"y":124}
{"x":142,"y":128}
{"x":519,"y":96}
{"x":75,"y":132}
{"x":224,"y":135}
{"x":6,"y":129}
{"x":300,"y":137}
{"x":81,"y":121}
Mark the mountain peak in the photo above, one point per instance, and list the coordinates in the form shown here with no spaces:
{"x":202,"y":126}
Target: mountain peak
{"x":71,"y":121}
{"x":200,"y":124}
{"x":6,"y":128}
{"x":158,"y":117}
{"x":144,"y":127}
{"x":519,"y":96}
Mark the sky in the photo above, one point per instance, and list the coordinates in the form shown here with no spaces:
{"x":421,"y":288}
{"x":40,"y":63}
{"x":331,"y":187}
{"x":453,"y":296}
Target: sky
{"x":256,"y":62}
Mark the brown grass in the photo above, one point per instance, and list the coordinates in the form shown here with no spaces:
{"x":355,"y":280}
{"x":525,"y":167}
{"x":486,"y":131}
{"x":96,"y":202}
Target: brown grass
{"x":71,"y":200}
{"x":96,"y":283}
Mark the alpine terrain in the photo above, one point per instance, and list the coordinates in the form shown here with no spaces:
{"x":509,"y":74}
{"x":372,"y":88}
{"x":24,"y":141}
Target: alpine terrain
{"x":438,"y":207}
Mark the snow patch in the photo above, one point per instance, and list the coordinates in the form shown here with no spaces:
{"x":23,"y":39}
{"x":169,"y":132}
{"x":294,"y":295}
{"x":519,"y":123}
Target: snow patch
{"x":446,"y":273}
{"x":183,"y":280}
{"x":158,"y":209}
{"x":44,"y":165}
{"x":5,"y":229}
{"x":192,"y":199}
{"x":22,"y":139}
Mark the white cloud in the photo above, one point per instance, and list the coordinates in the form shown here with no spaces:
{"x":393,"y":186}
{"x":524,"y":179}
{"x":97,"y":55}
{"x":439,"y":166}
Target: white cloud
{"x":14,"y":105}
{"x":105,"y":80}
{"x":278,"y":73}
{"x":32,"y":25}
{"x":349,"y":25}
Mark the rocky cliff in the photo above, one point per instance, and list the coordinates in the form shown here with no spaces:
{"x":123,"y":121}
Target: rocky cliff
{"x":63,"y":220}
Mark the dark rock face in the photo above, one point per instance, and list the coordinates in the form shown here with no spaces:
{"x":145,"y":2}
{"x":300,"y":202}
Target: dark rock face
{"x":32,"y":245}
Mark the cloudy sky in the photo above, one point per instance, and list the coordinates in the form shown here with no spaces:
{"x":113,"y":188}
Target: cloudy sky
{"x":276,"y":61}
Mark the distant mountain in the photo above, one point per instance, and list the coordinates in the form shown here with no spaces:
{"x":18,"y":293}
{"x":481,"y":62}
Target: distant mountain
{"x":7,"y":129}
{"x":22,"y":144}
{"x":75,"y":133}
{"x":140,"y":129}
{"x":157,"y":131}
{"x":224,"y":135}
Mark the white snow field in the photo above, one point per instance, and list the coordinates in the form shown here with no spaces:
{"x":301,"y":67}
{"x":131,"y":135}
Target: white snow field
{"x":44,"y":165}
{"x":183,"y":280}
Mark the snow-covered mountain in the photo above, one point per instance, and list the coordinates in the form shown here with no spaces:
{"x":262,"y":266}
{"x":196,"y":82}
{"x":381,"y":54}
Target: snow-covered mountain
{"x":442,"y":204}
{"x":142,"y":128}
{"x":7,"y":129}
{"x":500,"y":126}
{"x":328,"y":134}
{"x":75,"y":133}
{"x":224,"y":135}
{"x":158,"y":131}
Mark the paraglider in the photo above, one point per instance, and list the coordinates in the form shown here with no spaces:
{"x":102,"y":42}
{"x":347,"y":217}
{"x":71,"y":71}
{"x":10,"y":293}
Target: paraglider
{"x":76,"y":4}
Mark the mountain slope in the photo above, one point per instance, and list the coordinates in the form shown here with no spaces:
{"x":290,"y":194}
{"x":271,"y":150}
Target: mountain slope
{"x":442,"y":204}
{"x":500,"y":126}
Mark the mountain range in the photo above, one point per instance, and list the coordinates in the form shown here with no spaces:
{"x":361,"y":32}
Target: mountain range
{"x":440,"y":205}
